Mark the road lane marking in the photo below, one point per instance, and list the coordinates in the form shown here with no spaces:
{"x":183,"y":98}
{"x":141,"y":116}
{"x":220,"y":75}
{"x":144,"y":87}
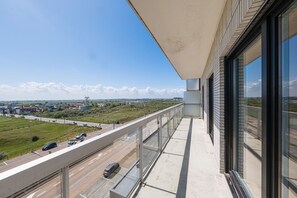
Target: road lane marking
{"x":71,"y":174}
{"x":32,"y":195}
{"x":93,"y":160}
{"x":82,"y":196}
{"x":81,"y":168}
{"x":35,"y":152}
{"x":5,"y":163}
{"x":90,"y":162}
{"x":56,"y":184}
{"x":41,"y":193}
{"x":99,"y":155}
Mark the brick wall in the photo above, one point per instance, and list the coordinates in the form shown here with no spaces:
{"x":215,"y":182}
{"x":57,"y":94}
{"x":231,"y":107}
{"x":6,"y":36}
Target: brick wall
{"x":236,"y":18}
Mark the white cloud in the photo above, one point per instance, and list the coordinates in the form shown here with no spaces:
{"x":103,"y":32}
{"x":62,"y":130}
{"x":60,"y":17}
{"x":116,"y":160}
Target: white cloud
{"x":253,"y":89}
{"x":60,"y":91}
{"x":290,"y":87}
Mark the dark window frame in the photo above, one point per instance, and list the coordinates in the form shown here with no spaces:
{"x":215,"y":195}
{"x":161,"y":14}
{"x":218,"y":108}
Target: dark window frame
{"x":211,"y":107}
{"x":270,"y":28}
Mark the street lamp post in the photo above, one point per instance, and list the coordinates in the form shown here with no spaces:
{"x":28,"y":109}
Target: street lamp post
{"x":30,"y":139}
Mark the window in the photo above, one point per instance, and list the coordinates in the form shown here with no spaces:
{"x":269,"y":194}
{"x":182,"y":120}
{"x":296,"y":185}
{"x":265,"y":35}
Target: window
{"x":249,"y":131}
{"x":289,"y":102}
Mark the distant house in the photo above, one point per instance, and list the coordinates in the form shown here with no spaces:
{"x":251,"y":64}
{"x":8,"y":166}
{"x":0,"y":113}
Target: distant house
{"x":49,"y":107}
{"x":84,"y":108}
{"x":3,"y":109}
{"x":25,"y":110}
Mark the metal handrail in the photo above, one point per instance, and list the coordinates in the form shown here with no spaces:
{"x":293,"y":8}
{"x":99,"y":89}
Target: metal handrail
{"x":23,"y":176}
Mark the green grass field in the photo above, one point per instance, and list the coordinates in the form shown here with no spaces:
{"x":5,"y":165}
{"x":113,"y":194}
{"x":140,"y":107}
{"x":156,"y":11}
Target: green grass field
{"x":16,"y":134}
{"x":125,"y":113}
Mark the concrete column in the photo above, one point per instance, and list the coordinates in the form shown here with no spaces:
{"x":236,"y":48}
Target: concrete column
{"x":65,"y":182}
{"x":160,"y":133}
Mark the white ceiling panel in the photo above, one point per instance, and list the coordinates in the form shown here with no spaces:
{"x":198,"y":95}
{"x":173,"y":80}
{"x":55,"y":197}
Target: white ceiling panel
{"x":184,"y":29}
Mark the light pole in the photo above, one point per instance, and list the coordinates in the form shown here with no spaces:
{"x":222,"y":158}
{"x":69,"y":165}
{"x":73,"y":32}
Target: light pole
{"x":30,"y":138}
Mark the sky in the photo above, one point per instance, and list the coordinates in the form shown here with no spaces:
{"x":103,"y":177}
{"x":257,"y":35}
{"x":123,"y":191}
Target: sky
{"x":74,"y":48}
{"x":253,"y":72}
{"x":253,"y":78}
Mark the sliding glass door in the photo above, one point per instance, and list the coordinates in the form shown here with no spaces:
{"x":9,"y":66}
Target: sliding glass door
{"x":261,"y":107}
{"x":289,"y":102}
{"x":248,"y":67}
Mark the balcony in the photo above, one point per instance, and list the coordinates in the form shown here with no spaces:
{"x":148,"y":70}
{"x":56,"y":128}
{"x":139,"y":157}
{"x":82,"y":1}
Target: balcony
{"x":187,"y":166}
{"x":162,"y":154}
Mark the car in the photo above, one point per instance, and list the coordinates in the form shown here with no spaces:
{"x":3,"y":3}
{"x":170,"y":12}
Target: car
{"x":81,"y":136}
{"x":72,"y":142}
{"x":49,"y":146}
{"x":110,"y":169}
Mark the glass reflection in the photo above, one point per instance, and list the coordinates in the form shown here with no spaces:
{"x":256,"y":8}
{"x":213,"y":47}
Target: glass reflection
{"x":249,"y":138}
{"x":289,"y":102}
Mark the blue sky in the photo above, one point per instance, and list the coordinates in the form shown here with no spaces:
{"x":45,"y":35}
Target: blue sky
{"x":53,"y":47}
{"x":253,"y":78}
{"x":253,"y":71}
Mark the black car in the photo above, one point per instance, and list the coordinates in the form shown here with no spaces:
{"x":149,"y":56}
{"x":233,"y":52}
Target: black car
{"x":81,"y":136}
{"x":110,"y":169}
{"x":49,"y":146}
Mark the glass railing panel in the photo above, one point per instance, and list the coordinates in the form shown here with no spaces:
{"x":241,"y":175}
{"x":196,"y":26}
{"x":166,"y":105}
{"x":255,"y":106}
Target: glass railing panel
{"x":165,"y":129}
{"x":50,"y":188}
{"x":150,"y":128}
{"x":150,"y":143}
{"x":87,"y":179}
{"x":129,"y":173}
{"x":171,"y":127}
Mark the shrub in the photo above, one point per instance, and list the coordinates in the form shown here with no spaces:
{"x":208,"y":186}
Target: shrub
{"x":3,"y":155}
{"x":35,"y":138}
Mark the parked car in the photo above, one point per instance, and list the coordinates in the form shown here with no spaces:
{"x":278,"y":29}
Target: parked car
{"x":49,"y":146}
{"x":81,"y":136}
{"x":110,"y":169}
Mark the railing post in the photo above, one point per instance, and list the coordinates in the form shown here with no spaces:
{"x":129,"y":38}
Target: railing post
{"x":65,"y":182}
{"x":140,"y":154}
{"x":168,"y":125}
{"x":160,"y":133}
{"x":259,"y":128}
{"x":174,"y":120}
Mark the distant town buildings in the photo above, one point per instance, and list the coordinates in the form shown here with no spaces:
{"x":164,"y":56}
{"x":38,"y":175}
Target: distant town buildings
{"x":28,"y":107}
{"x":84,"y":108}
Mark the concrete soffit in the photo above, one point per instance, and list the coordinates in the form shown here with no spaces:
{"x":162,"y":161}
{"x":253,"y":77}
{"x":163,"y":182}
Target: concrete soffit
{"x":184,"y":30}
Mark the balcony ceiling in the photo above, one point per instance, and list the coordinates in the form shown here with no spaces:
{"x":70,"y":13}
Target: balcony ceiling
{"x":184,"y":30}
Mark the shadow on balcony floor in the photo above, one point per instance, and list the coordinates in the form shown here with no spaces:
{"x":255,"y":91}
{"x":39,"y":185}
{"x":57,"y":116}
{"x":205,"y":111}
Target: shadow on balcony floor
{"x":187,"y":167}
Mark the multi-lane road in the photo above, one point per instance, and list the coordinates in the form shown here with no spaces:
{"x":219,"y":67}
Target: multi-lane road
{"x":86,"y":177}
{"x":64,"y":121}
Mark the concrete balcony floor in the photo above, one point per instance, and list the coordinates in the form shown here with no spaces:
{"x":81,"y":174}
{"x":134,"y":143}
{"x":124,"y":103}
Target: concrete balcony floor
{"x":187,"y":167}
